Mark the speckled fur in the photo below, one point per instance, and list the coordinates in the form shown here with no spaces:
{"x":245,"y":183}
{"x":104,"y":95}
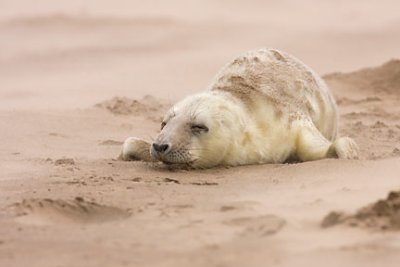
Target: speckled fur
{"x":283,"y":82}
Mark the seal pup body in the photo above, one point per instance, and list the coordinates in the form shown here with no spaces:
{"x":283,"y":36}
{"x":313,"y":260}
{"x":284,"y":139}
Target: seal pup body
{"x":263,"y":107}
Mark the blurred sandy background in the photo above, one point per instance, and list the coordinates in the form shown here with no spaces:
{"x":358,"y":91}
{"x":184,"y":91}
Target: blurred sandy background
{"x":81,"y":52}
{"x":66,"y":201}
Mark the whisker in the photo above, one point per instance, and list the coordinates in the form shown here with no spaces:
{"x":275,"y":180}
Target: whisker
{"x":151,"y":138}
{"x":199,"y":149}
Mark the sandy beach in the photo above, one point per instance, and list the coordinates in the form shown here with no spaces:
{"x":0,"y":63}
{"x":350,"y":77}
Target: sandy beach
{"x":76,"y":79}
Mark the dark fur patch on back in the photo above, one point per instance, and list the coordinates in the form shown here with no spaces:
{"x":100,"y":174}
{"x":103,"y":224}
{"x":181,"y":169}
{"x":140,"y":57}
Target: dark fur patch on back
{"x":273,"y":78}
{"x":248,"y":93}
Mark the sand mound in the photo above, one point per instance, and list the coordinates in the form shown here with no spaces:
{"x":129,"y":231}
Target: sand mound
{"x":381,"y":215}
{"x":47,"y":211}
{"x":369,"y":110}
{"x":385,"y":78}
{"x":148,"y":106}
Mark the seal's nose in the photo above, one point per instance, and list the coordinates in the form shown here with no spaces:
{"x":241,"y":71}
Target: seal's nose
{"x":161,"y":148}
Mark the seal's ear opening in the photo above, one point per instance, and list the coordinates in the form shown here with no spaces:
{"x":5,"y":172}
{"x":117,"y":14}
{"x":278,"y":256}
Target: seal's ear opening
{"x":226,"y":123}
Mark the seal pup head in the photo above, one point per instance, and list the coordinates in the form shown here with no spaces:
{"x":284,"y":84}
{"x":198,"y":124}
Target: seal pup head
{"x":197,"y":131}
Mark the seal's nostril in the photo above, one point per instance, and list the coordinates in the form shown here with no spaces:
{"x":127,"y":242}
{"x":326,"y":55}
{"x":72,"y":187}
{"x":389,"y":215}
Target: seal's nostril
{"x":164,"y":147}
{"x":160,"y":148}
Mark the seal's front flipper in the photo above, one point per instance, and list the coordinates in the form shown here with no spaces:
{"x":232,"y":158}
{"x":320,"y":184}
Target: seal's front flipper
{"x":312,"y":145}
{"x":135,"y":149}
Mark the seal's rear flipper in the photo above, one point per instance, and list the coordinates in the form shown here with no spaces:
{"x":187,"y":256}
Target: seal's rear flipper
{"x":345,"y":148}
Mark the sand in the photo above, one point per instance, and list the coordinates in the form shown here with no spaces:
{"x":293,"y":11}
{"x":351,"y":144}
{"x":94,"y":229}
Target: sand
{"x":382,"y":215}
{"x":77,"y":79}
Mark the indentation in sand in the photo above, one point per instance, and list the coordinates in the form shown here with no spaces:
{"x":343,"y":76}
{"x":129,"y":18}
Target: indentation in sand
{"x":49,"y":211}
{"x":65,"y":161}
{"x":258,"y":226}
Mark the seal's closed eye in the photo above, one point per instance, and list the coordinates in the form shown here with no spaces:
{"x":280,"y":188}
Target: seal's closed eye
{"x":163,"y":125}
{"x":198,"y":128}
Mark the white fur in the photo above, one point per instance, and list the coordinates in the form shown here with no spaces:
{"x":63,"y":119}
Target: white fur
{"x":230,"y":126}
{"x":290,"y":113}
